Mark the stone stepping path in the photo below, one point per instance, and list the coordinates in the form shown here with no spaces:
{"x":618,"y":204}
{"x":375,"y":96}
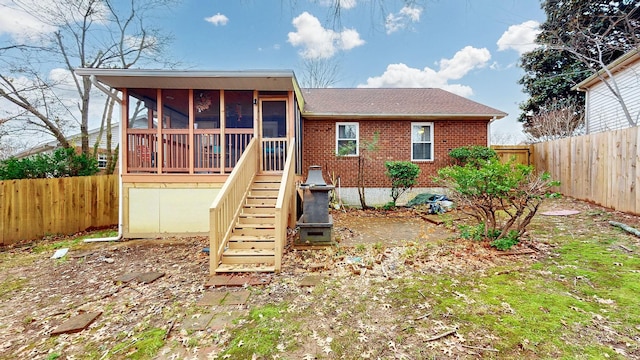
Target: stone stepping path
{"x":236,"y":280}
{"x":80,"y":322}
{"x":224,"y":298}
{"x":76,"y":323}
{"x":213,"y":321}
{"x":220,"y":319}
{"x":144,"y":278}
{"x":197,"y":322}
{"x":311,"y":280}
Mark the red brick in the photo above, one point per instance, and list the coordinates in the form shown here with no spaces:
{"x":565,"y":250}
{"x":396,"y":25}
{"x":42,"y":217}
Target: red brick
{"x":394,"y":144}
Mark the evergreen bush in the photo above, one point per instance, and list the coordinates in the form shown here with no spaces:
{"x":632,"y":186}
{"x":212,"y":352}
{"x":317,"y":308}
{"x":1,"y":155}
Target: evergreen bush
{"x":63,"y":162}
{"x":403,"y":175}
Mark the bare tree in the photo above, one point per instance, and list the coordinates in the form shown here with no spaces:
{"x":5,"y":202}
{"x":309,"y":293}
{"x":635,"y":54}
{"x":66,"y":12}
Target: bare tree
{"x":88,"y":34}
{"x":599,"y":30}
{"x":557,"y":120}
{"x":500,"y":138}
{"x":319,"y":72}
{"x":8,"y":147}
{"x":379,"y":9}
{"x":36,"y":105}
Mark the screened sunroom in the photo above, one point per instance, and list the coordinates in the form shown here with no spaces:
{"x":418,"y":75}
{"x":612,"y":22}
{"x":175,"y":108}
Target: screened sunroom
{"x":184,"y":133}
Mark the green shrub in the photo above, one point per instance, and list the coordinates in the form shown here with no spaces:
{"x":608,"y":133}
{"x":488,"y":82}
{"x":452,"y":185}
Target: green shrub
{"x":503,"y":198}
{"x":403,"y":175}
{"x":469,"y":232}
{"x":472,"y":154}
{"x":63,"y":162}
{"x":506,"y":242}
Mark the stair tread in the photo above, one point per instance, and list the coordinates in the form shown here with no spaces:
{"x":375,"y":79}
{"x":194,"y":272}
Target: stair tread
{"x":254,"y":226}
{"x":249,"y":252}
{"x":263,"y":222}
{"x":222,"y":268}
{"x":251,"y":238}
{"x":251,"y":246}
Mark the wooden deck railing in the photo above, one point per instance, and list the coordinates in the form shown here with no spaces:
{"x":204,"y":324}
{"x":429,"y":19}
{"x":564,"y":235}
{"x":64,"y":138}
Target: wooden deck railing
{"x":208,"y":150}
{"x":175,"y":147}
{"x":207,"y":145}
{"x":274,"y":154}
{"x":236,"y":141}
{"x":227,"y":205}
{"x":141,"y":150}
{"x":285,"y":204}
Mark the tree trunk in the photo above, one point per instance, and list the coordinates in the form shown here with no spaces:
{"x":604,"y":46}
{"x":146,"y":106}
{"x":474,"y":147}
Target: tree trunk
{"x":111,"y":159}
{"x":84,"y":111}
{"x":363,"y":202}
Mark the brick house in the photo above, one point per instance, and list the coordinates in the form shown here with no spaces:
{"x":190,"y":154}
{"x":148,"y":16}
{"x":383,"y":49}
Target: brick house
{"x":219,"y":153}
{"x":417,"y":124}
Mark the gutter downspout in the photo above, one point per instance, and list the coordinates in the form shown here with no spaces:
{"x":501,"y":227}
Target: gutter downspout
{"x":120,"y":210}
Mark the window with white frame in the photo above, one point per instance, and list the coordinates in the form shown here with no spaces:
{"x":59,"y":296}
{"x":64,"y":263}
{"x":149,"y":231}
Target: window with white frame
{"x":347,"y":139}
{"x":421,"y":141}
{"x":102,"y":161}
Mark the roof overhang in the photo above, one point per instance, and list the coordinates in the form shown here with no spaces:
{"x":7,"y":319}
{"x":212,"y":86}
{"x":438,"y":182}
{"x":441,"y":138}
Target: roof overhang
{"x":619,"y":64}
{"x":488,"y":117}
{"x":266,"y":80}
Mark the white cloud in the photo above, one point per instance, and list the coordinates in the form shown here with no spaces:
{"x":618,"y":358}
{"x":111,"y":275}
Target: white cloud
{"x":19,"y":24}
{"x":318,"y":42}
{"x":343,"y":4}
{"x":399,"y":21}
{"x":217,"y":19}
{"x":520,"y":38}
{"x":401,"y":75}
{"x":463,"y":61}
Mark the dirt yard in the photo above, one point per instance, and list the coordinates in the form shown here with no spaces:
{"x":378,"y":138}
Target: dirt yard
{"x":351,"y":306}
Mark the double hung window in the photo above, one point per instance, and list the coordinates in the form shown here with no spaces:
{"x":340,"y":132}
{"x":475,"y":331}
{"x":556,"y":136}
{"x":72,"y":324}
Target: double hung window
{"x":347,"y":142}
{"x":422,"y":141}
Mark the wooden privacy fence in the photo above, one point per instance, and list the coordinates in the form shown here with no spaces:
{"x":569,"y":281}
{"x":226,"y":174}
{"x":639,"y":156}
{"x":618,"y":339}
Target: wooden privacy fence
{"x":601,"y":168}
{"x":521,"y":153}
{"x":30,"y":209}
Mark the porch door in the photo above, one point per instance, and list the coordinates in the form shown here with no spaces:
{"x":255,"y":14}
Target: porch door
{"x":273,"y":120}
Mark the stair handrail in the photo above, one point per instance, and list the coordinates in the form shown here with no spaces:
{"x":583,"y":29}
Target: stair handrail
{"x":225,"y":209}
{"x":285,"y":204}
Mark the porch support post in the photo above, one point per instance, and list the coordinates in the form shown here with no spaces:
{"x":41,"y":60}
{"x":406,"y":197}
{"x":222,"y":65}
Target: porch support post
{"x":159,"y":141}
{"x":190,"y":140}
{"x":223,"y":141}
{"x":124,"y":125}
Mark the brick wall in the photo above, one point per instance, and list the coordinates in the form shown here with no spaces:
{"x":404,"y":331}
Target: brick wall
{"x":319,"y":142}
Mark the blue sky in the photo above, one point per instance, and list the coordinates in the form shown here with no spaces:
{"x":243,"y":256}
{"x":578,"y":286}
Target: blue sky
{"x":469,"y":47}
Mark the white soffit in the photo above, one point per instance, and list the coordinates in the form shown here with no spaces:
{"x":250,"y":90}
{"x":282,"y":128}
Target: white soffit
{"x":267,"y":80}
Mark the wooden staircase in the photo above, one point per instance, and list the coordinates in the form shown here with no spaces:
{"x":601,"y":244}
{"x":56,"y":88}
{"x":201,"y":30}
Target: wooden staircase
{"x":251,"y":247}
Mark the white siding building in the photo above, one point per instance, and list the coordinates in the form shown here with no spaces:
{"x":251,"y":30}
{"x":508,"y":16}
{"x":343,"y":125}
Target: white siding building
{"x":602,"y":110}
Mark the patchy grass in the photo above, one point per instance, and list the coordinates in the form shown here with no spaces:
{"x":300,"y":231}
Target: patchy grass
{"x":261,"y":333}
{"x":579,"y":302}
{"x":72,"y":242}
{"x":10,"y":285}
{"x":144,"y":345}
{"x":449,"y":298}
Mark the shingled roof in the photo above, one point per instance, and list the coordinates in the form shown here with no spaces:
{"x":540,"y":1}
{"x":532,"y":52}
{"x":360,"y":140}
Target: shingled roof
{"x":393,"y":103}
